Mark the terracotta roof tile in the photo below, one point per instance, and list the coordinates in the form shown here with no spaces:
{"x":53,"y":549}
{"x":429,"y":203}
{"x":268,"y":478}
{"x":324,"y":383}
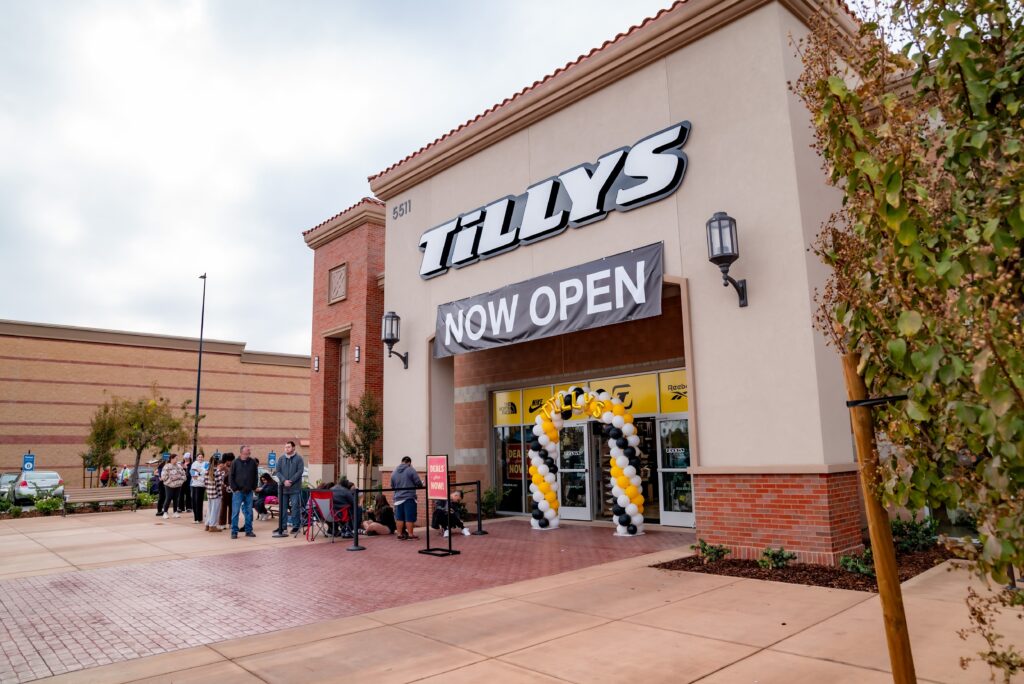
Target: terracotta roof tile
{"x":556,"y":72}
{"x":365,"y":200}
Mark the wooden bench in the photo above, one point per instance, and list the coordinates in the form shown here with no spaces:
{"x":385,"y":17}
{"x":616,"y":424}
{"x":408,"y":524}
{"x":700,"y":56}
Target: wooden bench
{"x":96,"y":495}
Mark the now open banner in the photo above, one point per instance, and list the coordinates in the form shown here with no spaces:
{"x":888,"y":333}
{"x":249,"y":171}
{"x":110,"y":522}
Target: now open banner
{"x":615,"y":289}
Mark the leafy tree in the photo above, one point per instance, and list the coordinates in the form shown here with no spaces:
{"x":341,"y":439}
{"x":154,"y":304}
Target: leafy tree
{"x":140,"y":424}
{"x":103,"y":439}
{"x":918,"y":119}
{"x":359,"y":442}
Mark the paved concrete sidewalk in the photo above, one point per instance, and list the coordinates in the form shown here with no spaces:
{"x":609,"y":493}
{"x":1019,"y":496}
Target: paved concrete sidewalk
{"x":615,"y":622}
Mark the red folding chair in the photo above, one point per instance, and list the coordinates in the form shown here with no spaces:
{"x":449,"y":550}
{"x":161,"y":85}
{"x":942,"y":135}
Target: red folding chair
{"x":321,"y":514}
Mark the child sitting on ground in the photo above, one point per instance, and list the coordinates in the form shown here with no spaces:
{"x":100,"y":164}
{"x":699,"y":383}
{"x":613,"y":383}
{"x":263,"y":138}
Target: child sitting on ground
{"x":446,"y":514}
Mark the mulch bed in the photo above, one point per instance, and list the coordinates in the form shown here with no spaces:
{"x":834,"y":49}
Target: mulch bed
{"x":910,"y":564}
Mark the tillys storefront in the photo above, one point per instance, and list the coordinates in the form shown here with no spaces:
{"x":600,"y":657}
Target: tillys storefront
{"x":563,"y":237}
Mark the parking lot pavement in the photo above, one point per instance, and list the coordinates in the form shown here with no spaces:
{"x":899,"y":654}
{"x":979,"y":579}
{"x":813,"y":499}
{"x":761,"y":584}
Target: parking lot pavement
{"x":110,"y":588}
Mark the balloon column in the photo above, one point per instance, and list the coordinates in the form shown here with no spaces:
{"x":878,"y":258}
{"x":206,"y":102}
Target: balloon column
{"x":623,"y":442}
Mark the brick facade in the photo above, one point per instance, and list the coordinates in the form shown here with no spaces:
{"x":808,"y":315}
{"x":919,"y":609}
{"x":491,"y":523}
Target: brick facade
{"x":818,"y":516}
{"x":355,"y":238}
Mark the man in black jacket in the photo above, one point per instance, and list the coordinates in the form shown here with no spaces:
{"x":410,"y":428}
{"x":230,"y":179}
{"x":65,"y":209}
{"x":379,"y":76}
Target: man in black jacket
{"x":243,"y":478}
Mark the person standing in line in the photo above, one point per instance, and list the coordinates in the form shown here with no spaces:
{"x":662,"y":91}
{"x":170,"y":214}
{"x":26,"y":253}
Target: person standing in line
{"x":197,"y":486}
{"x":244,"y":477}
{"x":161,"y":495}
{"x":289,"y":472}
{"x":185,"y":493}
{"x":105,"y":476}
{"x":172,"y":477}
{"x":405,"y":500}
{"x":225,"y":491}
{"x":214,"y":483}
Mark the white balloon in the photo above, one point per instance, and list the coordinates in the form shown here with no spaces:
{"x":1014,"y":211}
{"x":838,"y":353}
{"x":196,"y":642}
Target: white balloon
{"x":617,"y":491}
{"x":537,"y":496}
{"x":543,"y":469}
{"x":550,"y":513}
{"x":604,"y":396}
{"x":611,"y":444}
{"x":632,"y":509}
{"x":538,"y":430}
{"x":550,"y":477}
{"x":616,"y":401}
{"x":637,"y":520}
{"x":543,"y":503}
{"x":619,"y":529}
{"x":628,"y":429}
{"x":551,"y":447}
{"x":534,"y":488}
{"x":553,"y":525}
{"x":607,"y":416}
{"x":537,"y":459}
{"x":539,"y":420}
{"x":633,"y":440}
{"x":617,"y":453}
{"x":544,"y":440}
{"x":618,"y":422}
{"x":622,"y":462}
{"x":535,"y":524}
{"x":636,"y":481}
{"x":557,"y":422}
{"x":629,"y":471}
{"x":623,"y":500}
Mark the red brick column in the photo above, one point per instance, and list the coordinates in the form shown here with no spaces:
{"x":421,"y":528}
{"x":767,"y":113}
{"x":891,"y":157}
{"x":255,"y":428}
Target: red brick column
{"x":818,"y":516}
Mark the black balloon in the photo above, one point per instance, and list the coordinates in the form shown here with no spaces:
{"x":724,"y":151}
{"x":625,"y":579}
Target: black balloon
{"x":631,"y":529}
{"x":543,"y":522}
{"x":624,"y":519}
{"x":605,"y":429}
{"x":553,"y":468}
{"x":534,"y":445}
{"x":622,"y":443}
{"x":629,"y":452}
{"x":566,"y":415}
{"x":548,"y":461}
{"x":615,"y":433}
{"x":537,"y":514}
{"x":618,"y":510}
{"x":534,"y":505}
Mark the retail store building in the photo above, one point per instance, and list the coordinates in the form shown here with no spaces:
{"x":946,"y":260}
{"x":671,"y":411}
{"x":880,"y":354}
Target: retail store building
{"x":578,"y":208}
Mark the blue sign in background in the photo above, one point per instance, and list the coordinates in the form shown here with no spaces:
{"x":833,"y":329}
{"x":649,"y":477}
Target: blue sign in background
{"x":272,"y":460}
{"x":28,"y":462}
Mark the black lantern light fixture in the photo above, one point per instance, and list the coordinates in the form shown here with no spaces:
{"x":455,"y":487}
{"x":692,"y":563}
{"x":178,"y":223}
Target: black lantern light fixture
{"x":723,"y":249}
{"x":390,"y":334}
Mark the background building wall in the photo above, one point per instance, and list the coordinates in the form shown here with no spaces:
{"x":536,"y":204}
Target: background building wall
{"x":53,"y":378}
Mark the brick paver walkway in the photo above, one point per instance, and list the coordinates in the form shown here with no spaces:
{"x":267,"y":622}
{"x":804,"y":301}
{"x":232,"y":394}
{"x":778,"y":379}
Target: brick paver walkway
{"x":51,"y":624}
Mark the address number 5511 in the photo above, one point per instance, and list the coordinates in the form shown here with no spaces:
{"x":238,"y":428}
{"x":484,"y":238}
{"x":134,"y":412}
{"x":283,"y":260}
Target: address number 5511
{"x":400,"y":210}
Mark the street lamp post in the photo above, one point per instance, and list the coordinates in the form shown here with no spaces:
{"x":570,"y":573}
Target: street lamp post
{"x":199,"y":371}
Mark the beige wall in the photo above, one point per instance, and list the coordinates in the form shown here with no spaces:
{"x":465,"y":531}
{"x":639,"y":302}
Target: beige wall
{"x":766,"y":390}
{"x":52,"y":379}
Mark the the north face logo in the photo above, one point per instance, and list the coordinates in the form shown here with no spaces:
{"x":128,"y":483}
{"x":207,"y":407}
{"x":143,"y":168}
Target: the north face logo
{"x":508,"y":409}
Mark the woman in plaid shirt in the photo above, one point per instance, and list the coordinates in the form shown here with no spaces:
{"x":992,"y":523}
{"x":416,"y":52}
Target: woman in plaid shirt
{"x":214,"y":484}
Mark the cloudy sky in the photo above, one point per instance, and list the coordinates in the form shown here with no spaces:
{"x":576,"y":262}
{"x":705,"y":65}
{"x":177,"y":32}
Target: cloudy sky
{"x":143,"y":143}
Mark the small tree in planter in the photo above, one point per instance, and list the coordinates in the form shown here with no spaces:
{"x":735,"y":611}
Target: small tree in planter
{"x":359,"y":442}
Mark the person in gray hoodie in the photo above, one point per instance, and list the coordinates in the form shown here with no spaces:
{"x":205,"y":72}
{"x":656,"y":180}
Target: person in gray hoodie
{"x":405,"y":501}
{"x":289,"y":473}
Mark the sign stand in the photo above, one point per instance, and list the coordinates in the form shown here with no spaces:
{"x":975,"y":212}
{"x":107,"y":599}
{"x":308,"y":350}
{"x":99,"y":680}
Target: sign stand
{"x":438,"y":488}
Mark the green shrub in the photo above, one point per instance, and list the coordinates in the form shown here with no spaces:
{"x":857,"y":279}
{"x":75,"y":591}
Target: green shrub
{"x":710,"y":553}
{"x":909,"y":535}
{"x":143,"y":499}
{"x":861,"y":565}
{"x":775,"y":559}
{"x":48,"y":505}
{"x":118,"y":505}
{"x":489,"y":501}
{"x":5,"y":505}
{"x":15,"y":512}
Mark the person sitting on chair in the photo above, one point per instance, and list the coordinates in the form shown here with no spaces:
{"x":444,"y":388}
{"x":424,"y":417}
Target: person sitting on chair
{"x":267,"y":488}
{"x":343,"y":498}
{"x":446,"y":514}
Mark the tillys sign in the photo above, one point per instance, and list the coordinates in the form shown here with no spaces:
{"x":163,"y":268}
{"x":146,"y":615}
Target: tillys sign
{"x":620,"y":180}
{"x":618,"y":288}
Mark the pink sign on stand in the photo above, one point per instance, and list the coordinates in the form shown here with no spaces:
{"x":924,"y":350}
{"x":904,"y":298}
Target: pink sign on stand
{"x":437,"y":477}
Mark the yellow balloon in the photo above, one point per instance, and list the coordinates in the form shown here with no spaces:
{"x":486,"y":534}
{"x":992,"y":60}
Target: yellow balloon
{"x":617,"y":409}
{"x":638,"y":500}
{"x":623,"y":482}
{"x":533,"y":470}
{"x":554,"y":505}
{"x":550,"y":496}
{"x":537,"y":479}
{"x":616,"y":472}
{"x":552,"y":435}
{"x":639,"y":509}
{"x":631,"y":491}
{"x":628,"y":417}
{"x":547,"y":426}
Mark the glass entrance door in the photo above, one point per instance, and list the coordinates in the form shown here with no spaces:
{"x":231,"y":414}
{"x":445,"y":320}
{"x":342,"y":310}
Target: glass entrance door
{"x":674,"y":461}
{"x":573,"y":473}
{"x":647,"y":469}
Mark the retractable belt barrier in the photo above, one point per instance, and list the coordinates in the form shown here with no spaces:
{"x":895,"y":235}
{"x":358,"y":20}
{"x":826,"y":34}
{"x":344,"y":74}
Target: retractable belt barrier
{"x":356,"y":546}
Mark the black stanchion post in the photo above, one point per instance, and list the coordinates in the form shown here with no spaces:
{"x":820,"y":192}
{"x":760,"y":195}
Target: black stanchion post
{"x":282,"y":508}
{"x":479,"y":511}
{"x":355,"y":523}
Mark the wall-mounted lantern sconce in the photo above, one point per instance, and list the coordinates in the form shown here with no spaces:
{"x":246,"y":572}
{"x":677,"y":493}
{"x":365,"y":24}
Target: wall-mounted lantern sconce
{"x":357,"y":353}
{"x":723,"y":249}
{"x":316,"y":364}
{"x":390,"y":333}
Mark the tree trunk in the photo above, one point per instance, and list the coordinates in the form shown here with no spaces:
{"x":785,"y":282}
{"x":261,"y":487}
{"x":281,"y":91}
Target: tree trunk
{"x":896,"y":634}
